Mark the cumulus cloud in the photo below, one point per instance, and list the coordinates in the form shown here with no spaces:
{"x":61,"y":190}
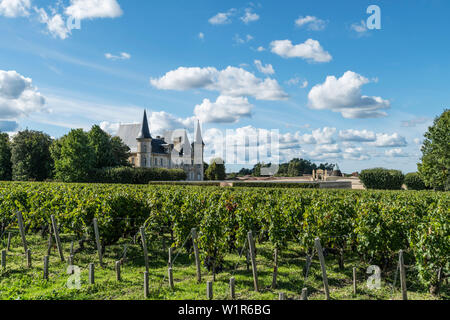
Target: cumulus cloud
{"x":296,"y":82}
{"x":389,"y":140}
{"x":310,"y":50}
{"x":249,"y":16}
{"x":159,"y":122}
{"x":261,"y":49}
{"x":14,"y":8}
{"x":90,"y":9}
{"x":232,"y":81}
{"x":18,"y":97}
{"x":353,"y":153}
{"x":357,"y":136}
{"x":312,"y":23}
{"x":266,"y":69}
{"x":237,"y":38}
{"x":224,"y":110}
{"x":201,"y":36}
{"x":222,"y":18}
{"x":320,"y":136}
{"x":121,"y":56}
{"x":344,"y":95}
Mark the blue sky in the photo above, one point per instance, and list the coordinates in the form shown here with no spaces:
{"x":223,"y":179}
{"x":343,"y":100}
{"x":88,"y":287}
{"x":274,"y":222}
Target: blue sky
{"x":234,"y":65}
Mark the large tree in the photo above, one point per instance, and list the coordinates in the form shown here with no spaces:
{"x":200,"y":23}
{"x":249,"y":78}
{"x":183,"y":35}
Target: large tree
{"x":435,"y":166}
{"x":100,"y":141}
{"x":5,"y":158}
{"x":216,"y":170}
{"x":120,"y":152}
{"x":74,"y":157}
{"x":30,"y":156}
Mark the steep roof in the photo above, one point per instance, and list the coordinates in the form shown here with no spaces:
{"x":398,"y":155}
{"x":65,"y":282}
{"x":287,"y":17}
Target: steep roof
{"x":145,"y":130}
{"x":128,"y":134}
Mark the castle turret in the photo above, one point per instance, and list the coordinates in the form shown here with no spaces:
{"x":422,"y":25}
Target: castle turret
{"x":144,"y":144}
{"x":198,"y":150}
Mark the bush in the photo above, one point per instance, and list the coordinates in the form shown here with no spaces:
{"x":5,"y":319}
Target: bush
{"x":382,"y":179}
{"x":127,"y":175}
{"x":414,"y":182}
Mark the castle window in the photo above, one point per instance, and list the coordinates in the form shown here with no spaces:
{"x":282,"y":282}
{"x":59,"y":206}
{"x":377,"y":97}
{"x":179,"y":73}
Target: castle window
{"x":144,"y":148}
{"x":162,"y":162}
{"x":144,"y":161}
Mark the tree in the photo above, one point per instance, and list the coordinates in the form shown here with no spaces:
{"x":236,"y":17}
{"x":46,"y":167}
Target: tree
{"x":74,"y":157}
{"x":434,"y":169}
{"x":120,"y":152}
{"x":216,"y":170}
{"x":100,"y":141}
{"x":30,"y":156}
{"x":5,"y":158}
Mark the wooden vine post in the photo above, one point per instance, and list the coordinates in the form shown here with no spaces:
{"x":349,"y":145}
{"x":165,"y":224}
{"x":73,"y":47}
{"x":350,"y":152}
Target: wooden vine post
{"x":8,"y":246}
{"x":253,"y":260}
{"x":3,"y":259}
{"x":97,"y":240}
{"x":57,"y":239}
{"x":22,"y":230}
{"x":354,"y":281}
{"x":46,"y":265}
{"x":402,"y":276}
{"x":233,"y":288}
{"x":209,"y":290}
{"x":304,"y":295}
{"x":197,"y":254}
{"x":144,"y":247}
{"x":275,"y":268}
{"x":324,"y":270}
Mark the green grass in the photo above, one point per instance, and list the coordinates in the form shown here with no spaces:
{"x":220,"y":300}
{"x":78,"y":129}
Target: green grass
{"x":17,"y":282}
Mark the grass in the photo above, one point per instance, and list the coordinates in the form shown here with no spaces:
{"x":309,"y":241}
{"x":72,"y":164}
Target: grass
{"x":18,"y":282}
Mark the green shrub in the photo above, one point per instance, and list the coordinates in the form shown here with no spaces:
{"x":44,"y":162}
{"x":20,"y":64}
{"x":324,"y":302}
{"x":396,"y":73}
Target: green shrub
{"x":414,"y":182}
{"x":382,"y":179}
{"x":127,"y":175}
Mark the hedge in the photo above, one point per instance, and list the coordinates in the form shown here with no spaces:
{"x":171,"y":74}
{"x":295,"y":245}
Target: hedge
{"x":414,"y":182}
{"x":127,"y":175}
{"x":382,"y":179}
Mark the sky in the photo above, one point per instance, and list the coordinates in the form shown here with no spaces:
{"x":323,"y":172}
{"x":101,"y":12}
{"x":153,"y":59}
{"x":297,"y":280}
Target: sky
{"x":338,"y":83}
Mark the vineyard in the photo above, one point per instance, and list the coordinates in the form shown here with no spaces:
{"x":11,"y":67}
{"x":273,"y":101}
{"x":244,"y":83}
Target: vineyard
{"x":356,"y":229}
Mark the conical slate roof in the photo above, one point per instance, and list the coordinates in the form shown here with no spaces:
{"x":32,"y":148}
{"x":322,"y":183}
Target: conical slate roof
{"x":198,"y":134}
{"x":145,"y":131}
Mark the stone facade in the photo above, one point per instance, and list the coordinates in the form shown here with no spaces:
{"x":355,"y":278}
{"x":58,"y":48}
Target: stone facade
{"x":168,"y":152}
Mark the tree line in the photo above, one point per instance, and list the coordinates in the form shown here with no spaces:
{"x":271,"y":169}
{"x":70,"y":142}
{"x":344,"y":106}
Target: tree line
{"x":35,"y":156}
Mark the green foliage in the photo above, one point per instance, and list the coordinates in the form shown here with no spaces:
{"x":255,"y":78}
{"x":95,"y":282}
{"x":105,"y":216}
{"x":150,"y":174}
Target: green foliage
{"x":382,"y":179}
{"x":414,"y":182}
{"x":216,"y":170}
{"x":5,"y":158}
{"x":128,"y":175}
{"x":373,"y":224}
{"x":276,"y":185}
{"x":109,"y":151}
{"x":435,"y":166}
{"x":74,"y":157}
{"x":30,"y":156}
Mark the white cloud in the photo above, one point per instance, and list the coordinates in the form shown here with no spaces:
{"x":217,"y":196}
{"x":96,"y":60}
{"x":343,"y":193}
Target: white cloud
{"x":224,"y":110}
{"x":359,"y":27}
{"x":322,"y":152}
{"x":344,"y":95}
{"x":237,"y":38}
{"x":249,"y":16}
{"x":260,"y":49}
{"x":232,"y":81}
{"x":357,"y":136}
{"x":312,"y":23}
{"x":90,"y":9}
{"x":353,"y":153}
{"x":121,"y":56}
{"x":222,"y":18}
{"x":201,"y":35}
{"x":18,"y":97}
{"x":14,"y":8}
{"x":396,"y":153}
{"x":319,"y":136}
{"x":267,"y":69}
{"x":310,"y":50}
{"x":388,"y":140}
{"x":159,"y":123}
{"x":56,"y":25}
